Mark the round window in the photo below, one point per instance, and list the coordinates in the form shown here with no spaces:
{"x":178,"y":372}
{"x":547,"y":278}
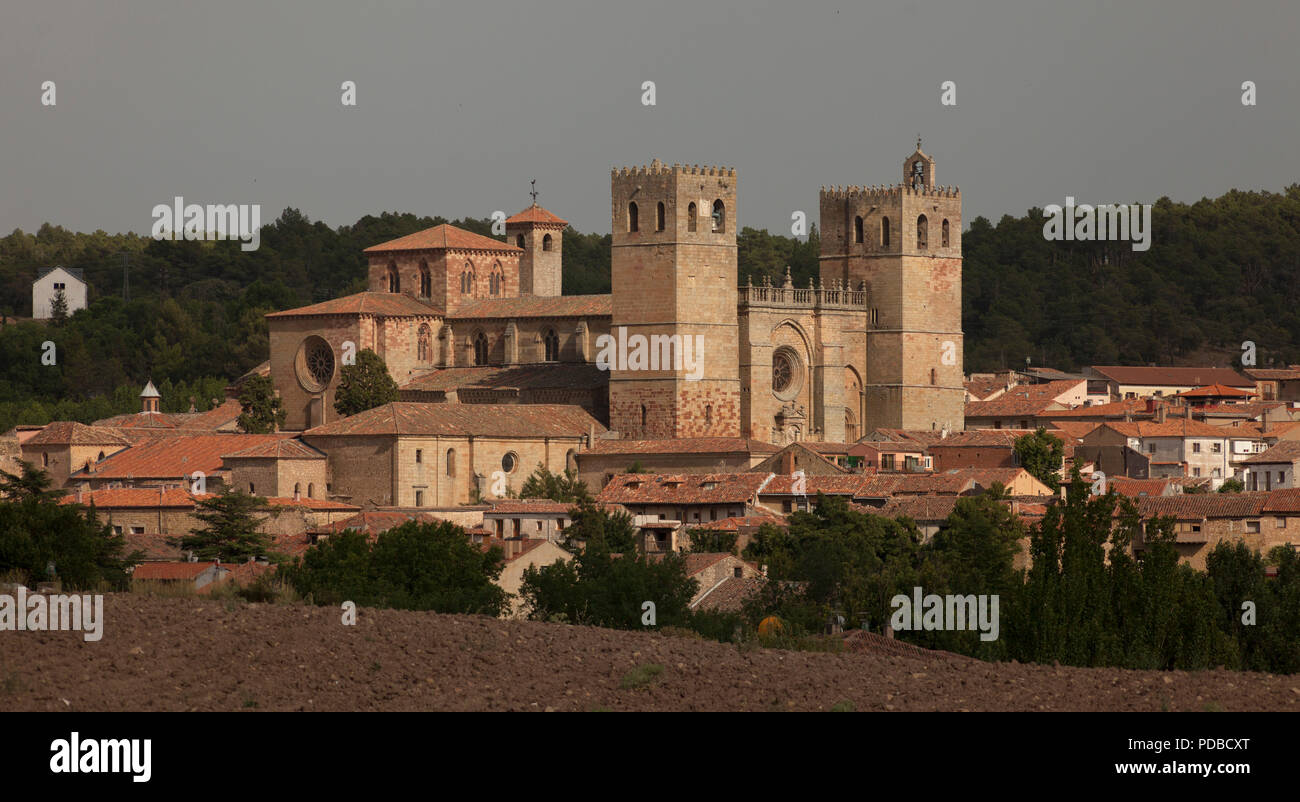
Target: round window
{"x":314,"y":364}
{"x":787,"y":373}
{"x":509,"y":461}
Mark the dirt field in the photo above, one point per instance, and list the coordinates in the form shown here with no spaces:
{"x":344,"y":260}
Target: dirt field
{"x":186,"y":654}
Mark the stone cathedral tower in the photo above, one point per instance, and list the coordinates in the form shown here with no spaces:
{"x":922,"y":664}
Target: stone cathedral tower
{"x":674,"y":275}
{"x":903,"y":244}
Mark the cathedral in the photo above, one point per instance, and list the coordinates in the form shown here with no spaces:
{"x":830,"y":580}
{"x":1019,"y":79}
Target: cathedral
{"x":464,"y":318}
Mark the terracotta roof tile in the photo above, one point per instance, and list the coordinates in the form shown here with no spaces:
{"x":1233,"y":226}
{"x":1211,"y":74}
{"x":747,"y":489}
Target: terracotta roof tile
{"x":141,"y":420}
{"x":175,"y":457}
{"x":730,"y":594}
{"x":170,"y":570}
{"x":379,"y":304}
{"x":535,"y":214}
{"x":1284,"y":451}
{"x":533,"y":306}
{"x":1175,"y":427}
{"x":523,"y":377}
{"x":288,"y":448}
{"x":1171,"y":377}
{"x":692,"y":488}
{"x":1216,"y":391}
{"x":495,"y":420}
{"x":685,"y":445}
{"x":922,"y":509}
{"x":443,"y":237}
{"x":1198,"y":506}
{"x":66,"y":432}
{"x":374,"y":522}
{"x":1283,"y":500}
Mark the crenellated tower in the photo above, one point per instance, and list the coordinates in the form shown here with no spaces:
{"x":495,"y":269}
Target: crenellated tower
{"x":902,"y":242}
{"x":674,"y":279}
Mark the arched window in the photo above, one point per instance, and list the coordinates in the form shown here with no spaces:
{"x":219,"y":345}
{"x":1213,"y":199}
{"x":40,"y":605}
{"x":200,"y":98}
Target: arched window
{"x":467,"y":279}
{"x":933,"y":376}
{"x":884,"y":232}
{"x":494,"y":283}
{"x":857,"y":229}
{"x":644,"y":416}
{"x":659,"y":217}
{"x":451,"y":462}
{"x":297,"y":489}
{"x":424,"y":343}
{"x":552,"y":341}
{"x":945,"y":233}
{"x":426,"y":280}
{"x":311,"y":490}
{"x":480,"y":349}
{"x":394,"y":280}
{"x":708,"y":414}
{"x":719,"y":217}
{"x":850,"y":425}
{"x":691,"y":213}
{"x":921,"y":232}
{"x":519,"y":240}
{"x":546,"y":242}
{"x":632,"y":223}
{"x":45,"y":459}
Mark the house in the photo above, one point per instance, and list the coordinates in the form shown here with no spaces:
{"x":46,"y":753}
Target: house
{"x":1018,"y":407}
{"x":888,"y":457}
{"x":1203,"y":520}
{"x":50,"y":282}
{"x":605,"y":458}
{"x":810,"y":458}
{"x":65,"y":447}
{"x":689,"y":498}
{"x":1177,"y":447}
{"x":711,"y":570}
{"x":520,"y":555}
{"x":1215,"y":394}
{"x":172,"y":461}
{"x":1274,"y":468}
{"x":1124,"y":381}
{"x":1281,"y":384}
{"x":195,"y":575}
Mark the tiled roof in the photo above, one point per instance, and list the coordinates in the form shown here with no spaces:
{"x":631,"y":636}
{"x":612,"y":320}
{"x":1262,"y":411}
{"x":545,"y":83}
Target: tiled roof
{"x":1273,"y":374}
{"x":1023,"y":399}
{"x":730,"y":594}
{"x":75,"y":272}
{"x":983,"y":389}
{"x":685,"y":445}
{"x":170,"y":570}
{"x":443,"y":237}
{"x":844,"y":485}
{"x":1254,"y":430}
{"x":836,"y":449}
{"x":922,"y":436}
{"x":1176,"y":427}
{"x":526,"y":306}
{"x":1197,"y":506}
{"x":529,"y":506}
{"x":175,"y":457}
{"x":1172,"y":377}
{"x":319,"y":504}
{"x":922,"y":509}
{"x":512,"y":549}
{"x":461,"y":420}
{"x":982,"y":438}
{"x":152,"y":545}
{"x":1215,"y":391}
{"x":1283,"y":500}
{"x":691,"y":488}
{"x":737,"y":522}
{"x":536,"y":214}
{"x":374,"y":522}
{"x":1116,"y":409}
{"x":66,"y":432}
{"x":524,"y":377}
{"x":1135,"y":488}
{"x":697,"y":562}
{"x":141,"y":420}
{"x":133,"y":498}
{"x":289,"y":448}
{"x":223,"y":414}
{"x":1284,"y":451}
{"x":381,"y":304}
{"x":1071,"y":428}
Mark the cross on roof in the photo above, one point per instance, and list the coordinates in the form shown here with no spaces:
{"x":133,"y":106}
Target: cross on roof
{"x":534,"y":192}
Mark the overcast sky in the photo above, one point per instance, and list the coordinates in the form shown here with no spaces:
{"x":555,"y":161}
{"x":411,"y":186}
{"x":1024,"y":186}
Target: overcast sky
{"x":459,"y":105}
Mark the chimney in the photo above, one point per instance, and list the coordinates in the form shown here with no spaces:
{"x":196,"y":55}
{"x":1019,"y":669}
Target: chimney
{"x":1160,"y":413}
{"x":1187,"y":411}
{"x":787,"y":463}
{"x":1264,"y":423}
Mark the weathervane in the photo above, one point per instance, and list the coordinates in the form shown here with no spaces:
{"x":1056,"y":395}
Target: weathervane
{"x":534,"y":192}
{"x":918,"y":141}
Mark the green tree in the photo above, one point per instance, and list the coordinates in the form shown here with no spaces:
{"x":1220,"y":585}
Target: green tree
{"x":263,"y":413}
{"x":230,"y":531}
{"x":593,"y":526}
{"x":1232,"y":486}
{"x":59,"y":307}
{"x":364,"y":385}
{"x":1041,"y":453}
{"x":564,"y":487}
{"x":713,"y":541}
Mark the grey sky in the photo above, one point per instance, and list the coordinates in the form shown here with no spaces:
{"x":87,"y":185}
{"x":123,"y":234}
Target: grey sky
{"x":459,"y":106}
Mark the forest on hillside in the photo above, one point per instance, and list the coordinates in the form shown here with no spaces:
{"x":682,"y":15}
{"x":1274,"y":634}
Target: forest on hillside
{"x":1219,"y":272}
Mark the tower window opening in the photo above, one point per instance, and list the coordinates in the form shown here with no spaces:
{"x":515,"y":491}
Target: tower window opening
{"x":546,"y":242}
{"x":945,"y":234}
{"x":394,"y":280}
{"x":633,"y":224}
{"x":884,"y":232}
{"x":691,"y":213}
{"x":519,"y":240}
{"x":719,"y":217}
{"x":921,"y":232}
{"x":857,"y":229}
{"x":659,"y":217}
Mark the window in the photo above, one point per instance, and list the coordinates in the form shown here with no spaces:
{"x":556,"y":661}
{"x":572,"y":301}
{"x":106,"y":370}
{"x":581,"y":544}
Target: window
{"x":552,"y":342}
{"x":884,"y":232}
{"x":1196,"y":471}
{"x":787,"y":506}
{"x":659,"y":217}
{"x":857,"y":229}
{"x":424,"y":343}
{"x":719,"y":217}
{"x":297,"y":489}
{"x":1252,"y":526}
{"x":934,"y":377}
{"x":419,"y":456}
{"x":137,"y":530}
{"x":945,"y":234}
{"x":1151,"y":448}
{"x":922,"y":232}
{"x":394,"y":280}
{"x":633,"y":224}
{"x":451,"y":462}
{"x":426,"y":280}
{"x":691,"y":213}
{"x":1280,"y":523}
{"x":708,"y":414}
{"x":509,"y":461}
{"x":117,"y":530}
{"x":494,"y":284}
{"x":1216,"y":448}
{"x":250,"y":488}
{"x":45,"y":459}
{"x":736,"y":572}
{"x":519,"y":240}
{"x":546,"y":242}
{"x":1196,"y":448}
{"x":311,"y":490}
{"x":419,"y":498}
{"x":480,"y":349}
{"x":643,"y":416}
{"x":100,"y":457}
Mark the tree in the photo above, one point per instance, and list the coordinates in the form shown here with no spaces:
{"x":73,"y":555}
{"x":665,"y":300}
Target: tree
{"x":59,"y":307}
{"x":556,"y":487}
{"x":364,"y":385}
{"x":230,"y":530}
{"x":1232,"y":486}
{"x":263,"y":413}
{"x":1041,"y":453}
{"x":713,"y":541}
{"x":597,"y":588}
{"x":593,"y":526}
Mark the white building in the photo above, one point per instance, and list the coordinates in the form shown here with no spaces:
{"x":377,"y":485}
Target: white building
{"x":47,"y":285}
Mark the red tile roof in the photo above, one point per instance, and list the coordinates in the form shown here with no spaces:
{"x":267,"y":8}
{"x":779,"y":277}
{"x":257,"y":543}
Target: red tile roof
{"x":534,"y":306}
{"x":141,"y":420}
{"x":1115,"y":409}
{"x":1284,"y":451}
{"x":922,"y":509}
{"x":983,"y":389}
{"x":685,"y":445}
{"x":535,"y":214}
{"x":730,"y":594}
{"x":1171,"y":377}
{"x":378,"y":304}
{"x":443,"y":237}
{"x":530,"y":506}
{"x":1023,"y":399}
{"x":223,"y":414}
{"x":692,"y":488}
{"x":523,"y":377}
{"x":1136,"y":488}
{"x":277,"y":449}
{"x":1273,"y":374}
{"x":134,"y":498}
{"x":175,"y":457}
{"x":1216,"y":391}
{"x":831,"y":485}
{"x":1198,"y":506}
{"x":982,"y":438}
{"x":374,"y":522}
{"x":1176,"y":427}
{"x":1283,"y":500}
{"x":170,"y":570}
{"x":737,"y":522}
{"x":453,"y":420}
{"x":66,"y":432}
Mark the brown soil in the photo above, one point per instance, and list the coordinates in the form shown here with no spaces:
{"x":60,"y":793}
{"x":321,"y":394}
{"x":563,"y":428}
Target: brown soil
{"x":192,"y":654}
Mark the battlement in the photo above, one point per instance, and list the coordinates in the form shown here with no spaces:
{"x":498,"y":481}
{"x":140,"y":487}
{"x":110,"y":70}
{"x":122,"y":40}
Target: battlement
{"x":835,"y":295}
{"x":659,"y":168}
{"x":887,"y":192}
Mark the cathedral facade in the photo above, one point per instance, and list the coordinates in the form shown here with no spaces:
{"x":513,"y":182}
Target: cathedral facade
{"x":463,"y":318}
